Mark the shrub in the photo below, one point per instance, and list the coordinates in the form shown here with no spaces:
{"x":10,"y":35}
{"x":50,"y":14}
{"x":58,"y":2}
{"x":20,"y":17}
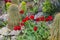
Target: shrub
{"x":48,"y":8}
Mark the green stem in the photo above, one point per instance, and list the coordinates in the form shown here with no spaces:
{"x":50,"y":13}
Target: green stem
{"x":36,"y":36}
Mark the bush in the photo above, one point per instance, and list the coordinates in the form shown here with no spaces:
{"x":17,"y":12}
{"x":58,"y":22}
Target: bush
{"x":48,"y":8}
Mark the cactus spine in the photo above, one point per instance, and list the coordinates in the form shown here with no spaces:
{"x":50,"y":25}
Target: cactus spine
{"x":14,"y":16}
{"x":55,"y":34}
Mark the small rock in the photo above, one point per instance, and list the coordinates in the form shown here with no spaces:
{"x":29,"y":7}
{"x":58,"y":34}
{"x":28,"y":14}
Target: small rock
{"x":4,"y":17}
{"x":38,"y":15}
{"x":4,"y":31}
{"x":13,"y":38}
{"x":14,"y":32}
{"x":1,"y":37}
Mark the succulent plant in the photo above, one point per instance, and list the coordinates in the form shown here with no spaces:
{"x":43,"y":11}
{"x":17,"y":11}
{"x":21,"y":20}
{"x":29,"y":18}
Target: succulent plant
{"x":55,"y":34}
{"x":14,"y":16}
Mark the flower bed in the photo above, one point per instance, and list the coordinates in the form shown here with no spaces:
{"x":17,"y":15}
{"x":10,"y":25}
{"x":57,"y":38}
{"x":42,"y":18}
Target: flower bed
{"x":26,"y":22}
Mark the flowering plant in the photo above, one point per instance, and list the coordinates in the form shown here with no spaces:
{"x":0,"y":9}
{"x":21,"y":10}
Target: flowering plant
{"x":34,"y":31}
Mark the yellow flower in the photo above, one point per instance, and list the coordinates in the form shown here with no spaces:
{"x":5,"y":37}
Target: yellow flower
{"x":8,"y":3}
{"x":23,"y":3}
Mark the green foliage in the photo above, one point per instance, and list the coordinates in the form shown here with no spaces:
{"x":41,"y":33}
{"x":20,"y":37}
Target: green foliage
{"x":48,"y":7}
{"x":29,"y":34}
{"x":14,"y":16}
{"x":35,"y":1}
{"x":34,"y":9}
{"x":2,"y":23}
{"x":59,"y":1}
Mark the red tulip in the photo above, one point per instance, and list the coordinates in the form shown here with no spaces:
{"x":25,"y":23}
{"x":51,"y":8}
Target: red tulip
{"x":37,"y":19}
{"x":35,"y":28}
{"x":17,"y":28}
{"x":25,"y":19}
{"x":31,"y":17}
{"x":50,"y":18}
{"x":22,"y":24}
{"x":21,"y":11}
{"x":47,"y":19}
{"x":42,"y":18}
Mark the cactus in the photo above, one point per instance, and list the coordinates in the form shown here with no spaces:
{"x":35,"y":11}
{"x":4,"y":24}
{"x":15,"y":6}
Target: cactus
{"x":15,"y":2}
{"x":55,"y":34}
{"x":14,"y":16}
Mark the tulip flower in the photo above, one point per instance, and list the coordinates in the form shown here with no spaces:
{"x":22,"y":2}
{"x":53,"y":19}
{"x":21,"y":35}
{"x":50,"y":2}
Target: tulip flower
{"x":25,"y":19}
{"x":17,"y":28}
{"x":31,"y":17}
{"x":21,"y":24}
{"x":49,"y":18}
{"x":21,"y":11}
{"x":35,"y":28}
{"x":42,"y":18}
{"x":37,"y":19}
